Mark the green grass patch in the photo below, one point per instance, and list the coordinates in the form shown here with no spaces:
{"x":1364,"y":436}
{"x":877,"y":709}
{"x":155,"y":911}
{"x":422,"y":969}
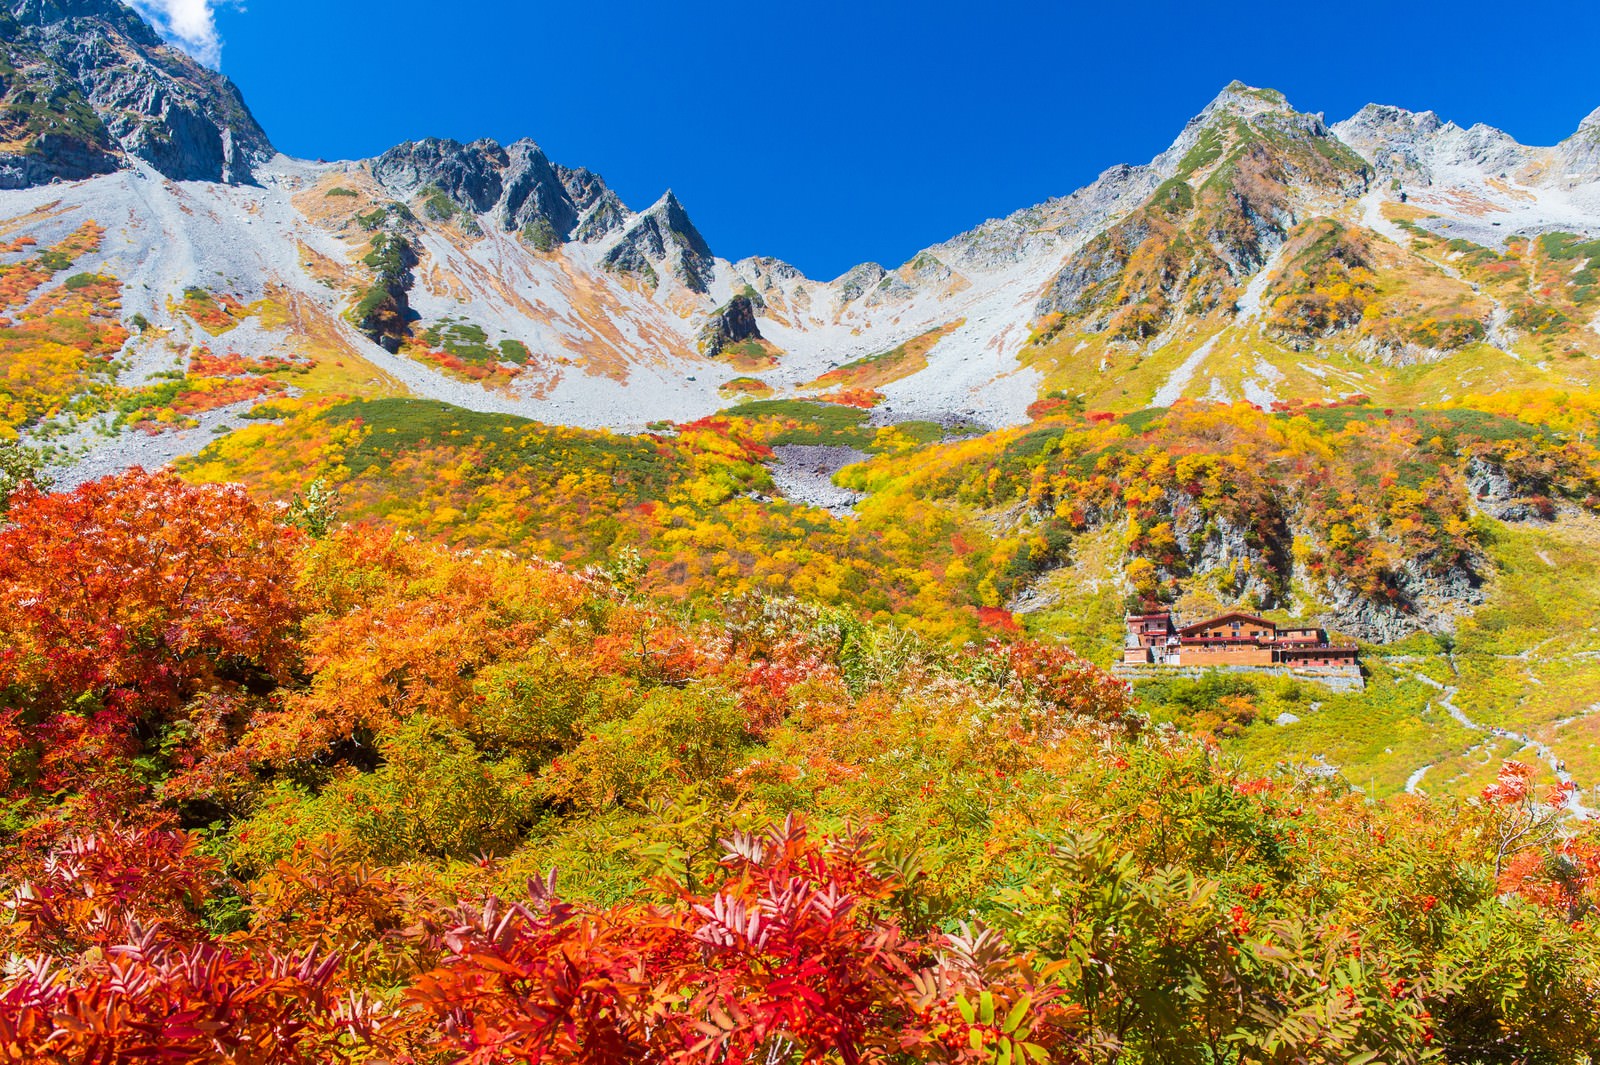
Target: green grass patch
{"x":1377,"y":738}
{"x":470,"y":343}
{"x":815,"y":423}
{"x":436,"y":206}
{"x":398,"y":425}
{"x":1207,"y":150}
{"x":541,"y":234}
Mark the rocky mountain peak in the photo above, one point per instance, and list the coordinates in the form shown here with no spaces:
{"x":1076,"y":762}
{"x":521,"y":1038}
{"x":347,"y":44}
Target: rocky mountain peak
{"x":672,"y":212}
{"x":1240,"y":115}
{"x":1416,"y":145}
{"x":1243,"y":101}
{"x":522,"y":190}
{"x":857,"y":280}
{"x":1376,"y":120}
{"x":766,"y":270}
{"x":664,"y":237}
{"x":516,"y":184}
{"x":89,"y":86}
{"x":1580,"y":153}
{"x":1238,"y":179}
{"x":469,"y":174}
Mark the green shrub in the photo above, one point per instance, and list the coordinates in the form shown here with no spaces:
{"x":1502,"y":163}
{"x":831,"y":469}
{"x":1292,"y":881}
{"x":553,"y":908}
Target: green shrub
{"x":674,"y":736}
{"x":436,"y":206}
{"x":434,"y":795}
{"x":541,"y":234}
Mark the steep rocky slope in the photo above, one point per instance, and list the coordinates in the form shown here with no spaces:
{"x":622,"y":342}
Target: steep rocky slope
{"x":89,"y":87}
{"x":1266,"y":255}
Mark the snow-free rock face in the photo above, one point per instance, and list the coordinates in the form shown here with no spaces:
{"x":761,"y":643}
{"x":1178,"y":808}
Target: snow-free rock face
{"x":857,"y":280}
{"x":733,"y":322}
{"x":664,"y":236}
{"x":1421,"y":147}
{"x":1580,"y":153}
{"x":517,"y":185}
{"x":44,"y":112}
{"x":519,"y":189}
{"x":469,"y":174}
{"x":116,"y":94}
{"x":1422,"y":602}
{"x":1393,"y":139}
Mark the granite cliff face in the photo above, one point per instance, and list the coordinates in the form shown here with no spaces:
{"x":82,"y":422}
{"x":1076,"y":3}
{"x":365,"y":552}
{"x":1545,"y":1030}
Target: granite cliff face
{"x":1580,"y":153}
{"x":517,"y":186}
{"x":733,"y":322}
{"x":518,"y":189}
{"x":90,"y":88}
{"x":48,"y":127}
{"x":1419,"y":146}
{"x":663,"y":236}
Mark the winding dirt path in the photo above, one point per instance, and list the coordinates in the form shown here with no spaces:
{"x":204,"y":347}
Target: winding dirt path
{"x":1446,"y":699}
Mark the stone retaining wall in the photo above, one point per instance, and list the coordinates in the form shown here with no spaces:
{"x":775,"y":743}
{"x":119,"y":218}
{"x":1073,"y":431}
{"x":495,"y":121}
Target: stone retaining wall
{"x":1335,"y":678}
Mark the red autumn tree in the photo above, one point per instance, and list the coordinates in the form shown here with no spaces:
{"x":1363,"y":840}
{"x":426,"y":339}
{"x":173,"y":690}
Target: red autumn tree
{"x":119,"y":601}
{"x":137,"y":588}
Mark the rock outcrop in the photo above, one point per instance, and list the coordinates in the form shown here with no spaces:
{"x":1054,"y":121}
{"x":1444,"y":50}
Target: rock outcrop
{"x":1580,"y":153}
{"x":91,"y":87}
{"x":1420,"y":601}
{"x":521,"y":190}
{"x":661,"y":237}
{"x":731,"y":323}
{"x":44,"y":112}
{"x":856,"y":281}
{"x":1419,"y":147}
{"x":516,"y":185}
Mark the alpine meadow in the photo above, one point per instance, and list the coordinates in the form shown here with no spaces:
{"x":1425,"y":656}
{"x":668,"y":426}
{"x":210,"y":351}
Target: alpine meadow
{"x":449,"y":615}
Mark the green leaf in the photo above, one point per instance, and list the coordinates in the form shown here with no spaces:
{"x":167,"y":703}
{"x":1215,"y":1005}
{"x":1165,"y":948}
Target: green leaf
{"x":964,"y":1008}
{"x":1014,"y":1018}
{"x":986,"y":1008}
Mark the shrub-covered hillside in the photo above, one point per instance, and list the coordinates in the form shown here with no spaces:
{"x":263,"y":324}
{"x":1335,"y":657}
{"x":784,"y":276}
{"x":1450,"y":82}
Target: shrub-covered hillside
{"x":1457,"y":542}
{"x":302,"y":791}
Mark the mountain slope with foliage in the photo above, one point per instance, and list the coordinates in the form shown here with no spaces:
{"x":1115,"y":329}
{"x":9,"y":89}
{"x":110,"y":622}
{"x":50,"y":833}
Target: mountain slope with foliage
{"x":304,"y":796}
{"x":1265,"y":256}
{"x":545,"y":640}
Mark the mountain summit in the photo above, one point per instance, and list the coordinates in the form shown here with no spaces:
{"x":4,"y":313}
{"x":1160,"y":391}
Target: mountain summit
{"x":1265,"y":255}
{"x":88,"y":87}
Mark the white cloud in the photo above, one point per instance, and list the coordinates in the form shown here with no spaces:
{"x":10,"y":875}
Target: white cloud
{"x":189,"y":24}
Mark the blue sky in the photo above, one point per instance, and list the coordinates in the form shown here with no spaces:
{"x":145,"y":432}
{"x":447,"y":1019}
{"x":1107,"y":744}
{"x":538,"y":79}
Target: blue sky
{"x":831,"y":133}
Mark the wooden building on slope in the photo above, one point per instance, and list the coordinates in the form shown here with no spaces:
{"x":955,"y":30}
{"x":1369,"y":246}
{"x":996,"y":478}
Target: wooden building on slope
{"x":1231,"y":639}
